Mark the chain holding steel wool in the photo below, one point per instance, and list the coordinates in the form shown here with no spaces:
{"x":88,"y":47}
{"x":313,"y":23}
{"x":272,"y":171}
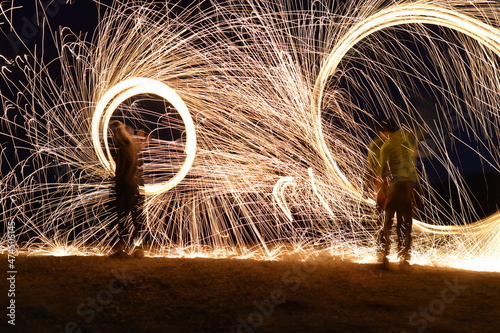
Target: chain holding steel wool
{"x":257,"y":144}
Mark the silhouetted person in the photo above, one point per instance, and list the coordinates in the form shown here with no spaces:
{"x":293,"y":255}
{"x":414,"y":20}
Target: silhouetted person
{"x":399,"y":174}
{"x":126,"y":182}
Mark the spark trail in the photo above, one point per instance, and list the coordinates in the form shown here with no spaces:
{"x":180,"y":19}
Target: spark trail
{"x":271,"y":95}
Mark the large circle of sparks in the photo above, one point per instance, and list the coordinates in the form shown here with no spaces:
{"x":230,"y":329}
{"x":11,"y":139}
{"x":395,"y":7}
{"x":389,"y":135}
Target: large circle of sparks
{"x":412,"y":13}
{"x":117,"y":95}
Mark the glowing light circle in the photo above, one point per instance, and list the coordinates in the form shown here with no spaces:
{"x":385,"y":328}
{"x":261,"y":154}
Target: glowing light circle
{"x":117,"y":95}
{"x":411,"y":13}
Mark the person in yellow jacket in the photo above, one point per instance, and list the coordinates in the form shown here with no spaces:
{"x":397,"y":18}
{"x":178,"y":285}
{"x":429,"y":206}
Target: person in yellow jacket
{"x":399,"y":174}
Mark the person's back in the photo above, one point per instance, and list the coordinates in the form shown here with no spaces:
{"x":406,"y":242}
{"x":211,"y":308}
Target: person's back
{"x":397,"y":158}
{"x":126,"y":159}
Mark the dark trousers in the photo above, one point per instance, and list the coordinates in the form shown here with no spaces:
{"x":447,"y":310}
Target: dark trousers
{"x":400,"y":202}
{"x":127,"y":196}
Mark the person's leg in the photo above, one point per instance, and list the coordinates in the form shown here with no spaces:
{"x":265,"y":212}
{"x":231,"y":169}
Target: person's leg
{"x":407,"y":227}
{"x":119,"y":247}
{"x":386,"y":239}
{"x":380,"y":236}
{"x":126,"y":204}
{"x":399,"y":231}
{"x":139,"y":213}
{"x":380,"y":219}
{"x":406,"y":223}
{"x":135,"y":210}
{"x":135,"y":225}
{"x":137,"y":246}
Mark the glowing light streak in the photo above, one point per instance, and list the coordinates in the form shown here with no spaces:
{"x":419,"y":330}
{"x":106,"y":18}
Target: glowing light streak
{"x":316,"y":192}
{"x":127,"y":89}
{"x":279,"y":194}
{"x":400,"y":14}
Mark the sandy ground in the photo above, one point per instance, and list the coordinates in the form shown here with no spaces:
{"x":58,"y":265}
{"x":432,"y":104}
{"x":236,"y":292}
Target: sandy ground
{"x":100,"y":294}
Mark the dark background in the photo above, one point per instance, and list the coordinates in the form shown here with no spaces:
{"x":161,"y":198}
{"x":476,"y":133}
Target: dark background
{"x":34,"y":29}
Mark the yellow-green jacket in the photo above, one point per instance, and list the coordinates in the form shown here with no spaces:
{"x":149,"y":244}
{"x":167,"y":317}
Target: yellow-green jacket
{"x":397,"y":157}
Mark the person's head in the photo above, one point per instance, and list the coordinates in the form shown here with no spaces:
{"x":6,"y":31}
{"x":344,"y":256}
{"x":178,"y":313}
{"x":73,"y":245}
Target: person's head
{"x":121,"y":132}
{"x":386,"y":126}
